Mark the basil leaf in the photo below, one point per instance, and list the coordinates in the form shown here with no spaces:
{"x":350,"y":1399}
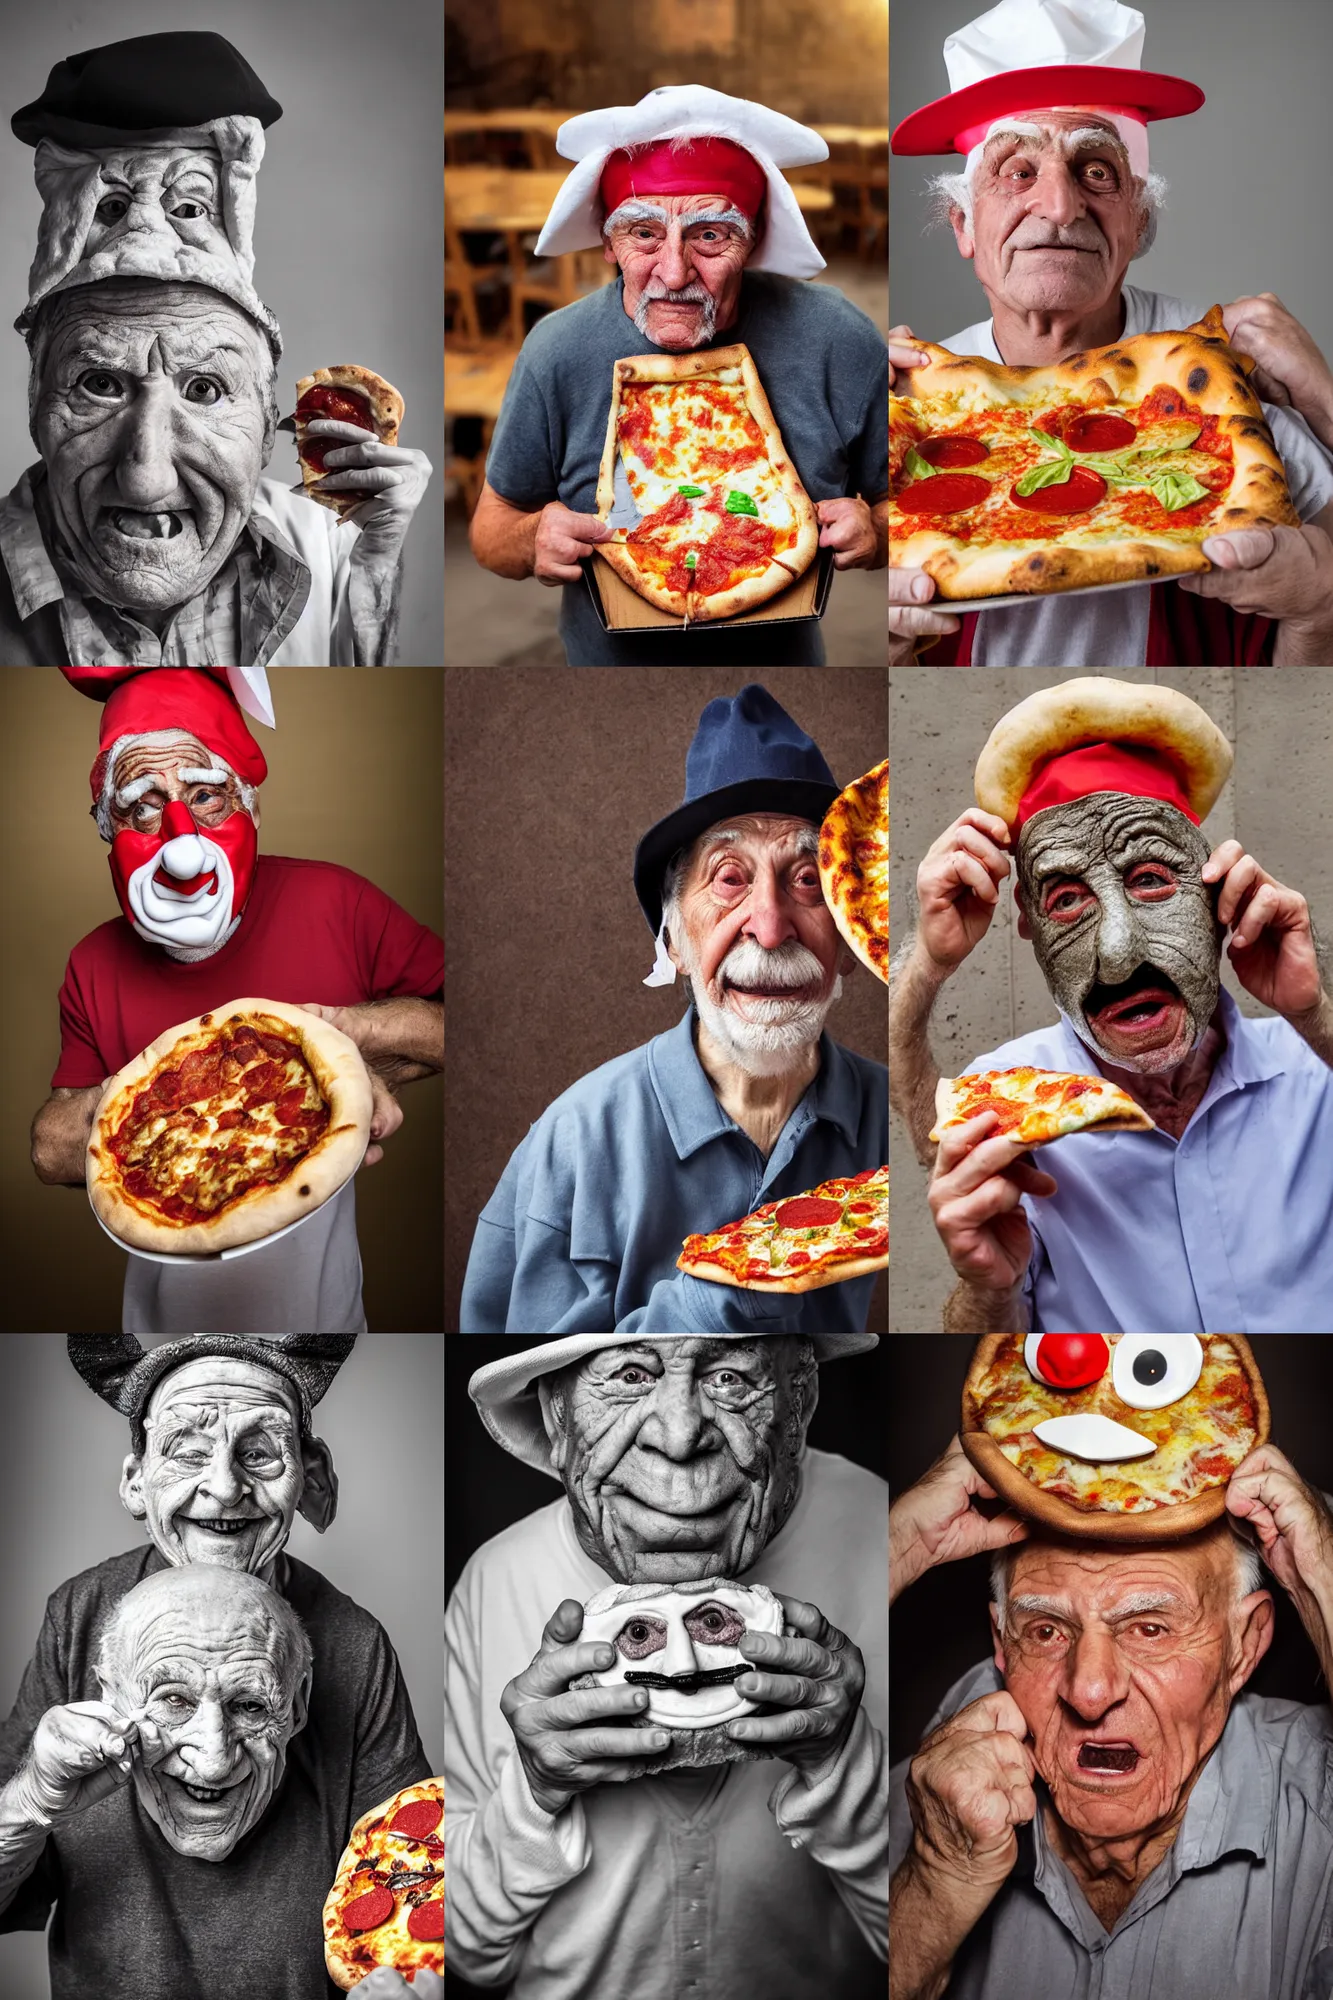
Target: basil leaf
{"x":1051,"y":472}
{"x":741,"y":503}
{"x":1177,"y":489}
{"x":1052,"y":444}
{"x":691,"y":492}
{"x":691,"y":560}
{"x":917,"y":467}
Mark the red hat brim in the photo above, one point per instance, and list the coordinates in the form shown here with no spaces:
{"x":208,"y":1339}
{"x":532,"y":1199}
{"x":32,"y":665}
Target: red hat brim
{"x":934,"y":128}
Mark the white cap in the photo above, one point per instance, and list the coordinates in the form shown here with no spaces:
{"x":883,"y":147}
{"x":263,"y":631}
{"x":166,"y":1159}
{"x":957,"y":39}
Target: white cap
{"x":1028,"y":34}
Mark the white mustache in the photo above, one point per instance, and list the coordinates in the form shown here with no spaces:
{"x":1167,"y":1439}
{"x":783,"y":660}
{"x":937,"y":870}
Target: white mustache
{"x":789,"y":965}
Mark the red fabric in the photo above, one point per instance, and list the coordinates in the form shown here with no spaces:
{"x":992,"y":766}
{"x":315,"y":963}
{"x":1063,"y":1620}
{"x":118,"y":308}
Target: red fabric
{"x":311,"y":931}
{"x":705,"y":166}
{"x":1146,"y":94}
{"x":953,"y":649}
{"x":1136,"y":768}
{"x":171,"y":698}
{"x":1189,"y":631}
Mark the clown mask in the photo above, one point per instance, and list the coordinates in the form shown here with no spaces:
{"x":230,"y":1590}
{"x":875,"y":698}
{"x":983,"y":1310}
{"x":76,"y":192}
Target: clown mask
{"x":183,"y":856}
{"x":681,"y":1641}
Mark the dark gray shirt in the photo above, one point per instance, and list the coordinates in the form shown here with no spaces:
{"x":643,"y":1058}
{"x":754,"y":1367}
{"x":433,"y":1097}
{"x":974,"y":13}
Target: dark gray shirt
{"x":824,"y":367}
{"x":1240,"y":1908}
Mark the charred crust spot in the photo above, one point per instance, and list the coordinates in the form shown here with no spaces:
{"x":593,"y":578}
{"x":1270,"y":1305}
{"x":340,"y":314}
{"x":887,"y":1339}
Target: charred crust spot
{"x":1076,"y":366}
{"x":1152,"y":569}
{"x":1036,"y":565}
{"x":303,"y":1190}
{"x":205,"y":1020}
{"x":1249,"y":429}
{"x":1197,"y":380}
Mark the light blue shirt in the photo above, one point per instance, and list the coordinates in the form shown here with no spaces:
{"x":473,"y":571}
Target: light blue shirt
{"x":1227,"y":1230}
{"x":583,"y":1232}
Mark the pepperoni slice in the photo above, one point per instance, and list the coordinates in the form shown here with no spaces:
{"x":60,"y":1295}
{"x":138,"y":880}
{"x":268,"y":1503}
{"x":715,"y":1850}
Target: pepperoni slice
{"x":948,"y":452}
{"x":808,"y":1211}
{"x":1083,"y":489}
{"x":369,"y":1910}
{"x":946,"y":493}
{"x":418,"y":1819}
{"x":426,"y":1921}
{"x":344,"y":406}
{"x":1096,"y":432}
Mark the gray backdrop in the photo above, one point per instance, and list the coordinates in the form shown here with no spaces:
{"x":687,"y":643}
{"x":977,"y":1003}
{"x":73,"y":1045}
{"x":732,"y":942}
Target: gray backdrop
{"x":350,"y":224}
{"x":1249,"y":173}
{"x":383,"y":1420}
{"x":1275,"y":803}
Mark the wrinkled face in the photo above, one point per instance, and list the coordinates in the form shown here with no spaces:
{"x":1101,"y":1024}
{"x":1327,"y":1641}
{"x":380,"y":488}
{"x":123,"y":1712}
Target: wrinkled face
{"x":682,"y":1646}
{"x":757,"y":940}
{"x":681,"y":256}
{"x":1057,"y":213}
{"x":222,"y":1475}
{"x":205,"y":1666}
{"x":152,"y":417}
{"x":681,"y":1457}
{"x":159,"y":195}
{"x":1124,"y":1663}
{"x":183,"y":842}
{"x":1113,"y":898}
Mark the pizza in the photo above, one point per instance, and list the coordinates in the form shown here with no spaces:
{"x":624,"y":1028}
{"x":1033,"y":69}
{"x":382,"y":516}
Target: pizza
{"x":1037,"y":1105}
{"x":346,"y":394}
{"x":724,"y":521}
{"x":1125,"y":1437}
{"x":386,"y":1906}
{"x":227,"y":1128}
{"x":854,"y":867}
{"x":1112,"y":466}
{"x":839,"y":1230}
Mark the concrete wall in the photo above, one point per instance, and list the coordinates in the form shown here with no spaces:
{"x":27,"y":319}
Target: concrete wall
{"x":1275,"y":803}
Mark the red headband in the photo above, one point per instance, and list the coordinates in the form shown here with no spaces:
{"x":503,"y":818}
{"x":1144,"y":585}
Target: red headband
{"x":1136,"y":768}
{"x":702,"y":166}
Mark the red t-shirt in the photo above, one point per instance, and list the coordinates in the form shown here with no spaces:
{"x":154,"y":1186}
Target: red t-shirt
{"x":311,"y":931}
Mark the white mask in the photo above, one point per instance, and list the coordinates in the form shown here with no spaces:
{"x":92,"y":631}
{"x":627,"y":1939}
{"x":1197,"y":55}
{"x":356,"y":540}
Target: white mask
{"x":679,"y":1632}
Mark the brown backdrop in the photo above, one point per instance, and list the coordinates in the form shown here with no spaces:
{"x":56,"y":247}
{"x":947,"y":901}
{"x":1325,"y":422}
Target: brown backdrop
{"x":551,"y":777}
{"x":354,"y":777}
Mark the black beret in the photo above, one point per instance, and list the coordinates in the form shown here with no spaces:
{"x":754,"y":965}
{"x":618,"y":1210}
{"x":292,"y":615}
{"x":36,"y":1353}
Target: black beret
{"x":150,"y":82}
{"x":117,"y":1367}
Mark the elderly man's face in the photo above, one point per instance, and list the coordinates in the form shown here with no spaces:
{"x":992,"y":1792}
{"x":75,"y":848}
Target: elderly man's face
{"x":1112,"y":896}
{"x":757,"y":940}
{"x":200,"y":1656}
{"x":1056,"y":213}
{"x":1125,"y":1662}
{"x":152,"y":418}
{"x":225,"y":1470}
{"x":681,"y":1458}
{"x":681,"y":256}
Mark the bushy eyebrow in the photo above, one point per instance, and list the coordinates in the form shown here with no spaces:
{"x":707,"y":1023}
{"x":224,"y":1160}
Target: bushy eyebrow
{"x":1132,"y":1606}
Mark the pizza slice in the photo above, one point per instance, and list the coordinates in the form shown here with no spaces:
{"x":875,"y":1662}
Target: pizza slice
{"x":386,"y":1906}
{"x":1037,"y":1105}
{"x":854,"y":867}
{"x":839,"y":1230}
{"x":724,"y":521}
{"x":347,"y":394}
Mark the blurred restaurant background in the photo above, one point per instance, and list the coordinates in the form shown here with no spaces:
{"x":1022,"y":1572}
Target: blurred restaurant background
{"x":514,"y":71}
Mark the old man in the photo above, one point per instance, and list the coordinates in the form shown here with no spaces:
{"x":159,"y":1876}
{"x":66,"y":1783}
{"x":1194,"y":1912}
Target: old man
{"x":747,"y":1100}
{"x":1051,"y":110}
{"x":683,"y":193}
{"x":206,"y":1698}
{"x":573,"y":1873}
{"x":1218,"y":1219}
{"x":1198,"y":1861}
{"x":148,"y":533}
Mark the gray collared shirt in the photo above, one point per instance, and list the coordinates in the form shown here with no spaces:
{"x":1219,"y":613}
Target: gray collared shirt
{"x":1240,"y":1908}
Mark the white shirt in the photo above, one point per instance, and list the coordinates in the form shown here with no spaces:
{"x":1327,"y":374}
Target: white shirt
{"x":1110,"y":629}
{"x":322,"y":635}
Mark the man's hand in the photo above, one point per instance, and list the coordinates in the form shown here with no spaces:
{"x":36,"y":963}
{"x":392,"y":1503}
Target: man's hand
{"x":1274,"y":572}
{"x":969,"y":1788}
{"x":386,"y":1984}
{"x":935,"y":1522}
{"x":910,"y":590}
{"x":1291,"y":368}
{"x":979,"y":1178}
{"x":567,"y":1742}
{"x":816,"y":1679}
{"x":563,"y":539}
{"x":392,"y":478}
{"x":958,"y":887}
{"x":80,"y":1752}
{"x":847,"y":527}
{"x":904,"y":352}
{"x":400,"y":1041}
{"x":1295,"y":1532}
{"x":1272,"y":942}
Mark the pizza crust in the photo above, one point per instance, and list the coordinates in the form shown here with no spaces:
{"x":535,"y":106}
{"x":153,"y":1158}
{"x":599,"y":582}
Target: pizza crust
{"x":859,"y":813}
{"x":336,"y":1064}
{"x":813,"y":1279}
{"x":344,"y":1971}
{"x":386,"y":411}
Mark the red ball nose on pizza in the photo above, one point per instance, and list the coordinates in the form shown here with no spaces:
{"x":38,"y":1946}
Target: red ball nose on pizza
{"x":1123,"y":1437}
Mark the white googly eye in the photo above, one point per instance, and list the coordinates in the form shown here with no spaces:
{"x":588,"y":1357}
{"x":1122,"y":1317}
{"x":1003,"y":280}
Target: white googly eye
{"x":1150,"y":1370}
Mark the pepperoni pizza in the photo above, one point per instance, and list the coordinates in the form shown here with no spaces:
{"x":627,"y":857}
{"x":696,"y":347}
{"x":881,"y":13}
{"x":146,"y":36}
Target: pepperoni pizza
{"x":1037,"y":1105}
{"x":839,"y":1230}
{"x":854,"y":867}
{"x":386,"y":1906}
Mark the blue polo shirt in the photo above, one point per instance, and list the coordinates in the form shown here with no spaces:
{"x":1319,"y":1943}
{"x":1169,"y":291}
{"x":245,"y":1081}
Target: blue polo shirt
{"x":1227,"y":1230}
{"x":583,"y":1232}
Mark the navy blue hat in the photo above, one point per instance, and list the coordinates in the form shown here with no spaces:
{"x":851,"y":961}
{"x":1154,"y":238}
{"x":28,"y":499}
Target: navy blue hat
{"x":146,"y":84}
{"x":747,"y":756}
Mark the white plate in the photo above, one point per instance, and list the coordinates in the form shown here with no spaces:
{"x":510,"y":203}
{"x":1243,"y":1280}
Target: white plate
{"x":958,"y":605}
{"x":222,"y":1256}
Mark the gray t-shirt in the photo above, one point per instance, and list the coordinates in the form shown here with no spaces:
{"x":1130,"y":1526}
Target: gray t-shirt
{"x":824,"y":367}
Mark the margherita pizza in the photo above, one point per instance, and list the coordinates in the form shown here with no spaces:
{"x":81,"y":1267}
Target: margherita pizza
{"x":1112,"y":466}
{"x":345,"y":394}
{"x":1127,"y":1436}
{"x":386,"y":1906}
{"x":839,"y":1230}
{"x":228,"y":1128}
{"x":854,"y":867}
{"x":1037,"y":1105}
{"x":725,"y":522}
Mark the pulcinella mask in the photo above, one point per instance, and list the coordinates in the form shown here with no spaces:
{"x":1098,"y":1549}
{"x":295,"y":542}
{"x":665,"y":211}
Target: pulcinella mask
{"x":680,"y":1641}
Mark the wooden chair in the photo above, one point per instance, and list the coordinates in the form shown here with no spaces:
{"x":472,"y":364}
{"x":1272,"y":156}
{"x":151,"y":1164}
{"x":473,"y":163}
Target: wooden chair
{"x":474,"y":386}
{"x":464,"y":281}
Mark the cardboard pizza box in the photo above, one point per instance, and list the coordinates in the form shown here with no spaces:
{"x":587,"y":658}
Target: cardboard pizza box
{"x":620,"y":609}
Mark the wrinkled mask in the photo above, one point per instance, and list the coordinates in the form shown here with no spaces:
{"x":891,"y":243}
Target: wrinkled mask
{"x":182,"y":886}
{"x":680,"y":1641}
{"x":1123,"y":925}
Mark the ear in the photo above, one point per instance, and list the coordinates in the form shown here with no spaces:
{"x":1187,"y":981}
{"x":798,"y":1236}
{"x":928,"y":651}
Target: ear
{"x":998,"y":1654}
{"x":131,"y":1487}
{"x":608,"y":253}
{"x":301,"y":1705}
{"x":1024,"y":927}
{"x":319,"y":1495}
{"x":551,"y":1423}
{"x":1255,"y":1615}
{"x":961,"y":235}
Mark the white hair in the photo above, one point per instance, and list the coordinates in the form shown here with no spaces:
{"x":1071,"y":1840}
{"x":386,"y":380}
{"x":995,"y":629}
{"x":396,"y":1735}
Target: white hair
{"x":1249,"y":1574}
{"x":955,"y":190}
{"x":215,"y":772}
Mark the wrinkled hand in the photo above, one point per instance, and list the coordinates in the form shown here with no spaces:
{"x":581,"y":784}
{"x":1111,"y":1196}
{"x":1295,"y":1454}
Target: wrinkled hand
{"x":392,"y":478}
{"x":1272,"y":942}
{"x":80,"y":1752}
{"x":976,"y":1186}
{"x":1273,"y":572}
{"x":969,"y":1787}
{"x":816,"y":1679}
{"x":1293,"y":1525}
{"x":958,"y":887}
{"x":568,"y":1742}
{"x":904,"y":352}
{"x":847,"y":527}
{"x":386,"y":1113}
{"x":910,"y":591}
{"x":935,"y":1521}
{"x":1291,"y":369}
{"x":385,"y":1984}
{"x":563,"y":539}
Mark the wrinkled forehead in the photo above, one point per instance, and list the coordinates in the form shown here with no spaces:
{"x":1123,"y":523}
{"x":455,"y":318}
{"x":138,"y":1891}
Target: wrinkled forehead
{"x":687,"y":1356}
{"x":161,"y":755}
{"x":1101,"y":1581}
{"x":776,"y":834}
{"x":1107,"y":826}
{"x":1063,"y":131}
{"x":142,"y":167}
{"x":216,"y":1389}
{"x":132,"y":327}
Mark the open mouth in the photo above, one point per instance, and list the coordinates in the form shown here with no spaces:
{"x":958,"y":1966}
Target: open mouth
{"x":205,"y":1795}
{"x":1143,"y":1004}
{"x":144,"y":527}
{"x":225,"y":1525}
{"x":1107,"y":1757}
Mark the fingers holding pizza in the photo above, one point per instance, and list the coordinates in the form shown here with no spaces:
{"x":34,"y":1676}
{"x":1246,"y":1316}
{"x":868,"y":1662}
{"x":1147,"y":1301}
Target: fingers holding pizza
{"x":976,"y":1188}
{"x":563,"y":539}
{"x":910,"y":592}
{"x":1278,"y":572}
{"x":1291,"y":368}
{"x":847,"y":527}
{"x":904,"y":352}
